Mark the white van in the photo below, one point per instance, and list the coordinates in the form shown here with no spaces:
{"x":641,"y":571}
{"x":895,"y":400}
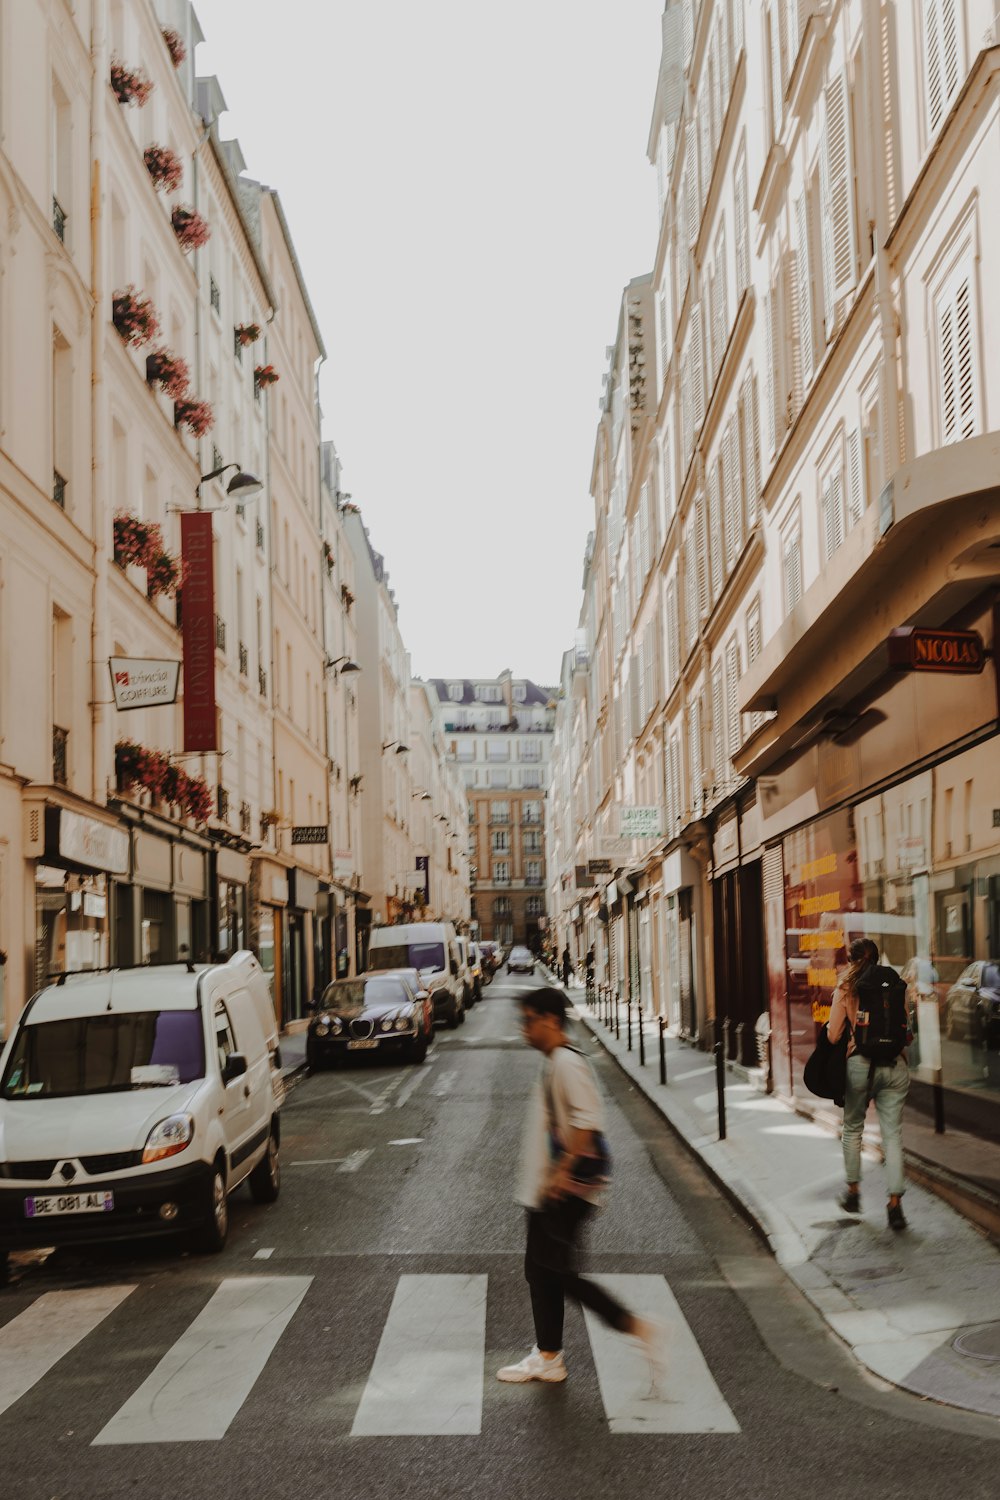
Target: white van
{"x":431,"y":947}
{"x":134,"y":1101}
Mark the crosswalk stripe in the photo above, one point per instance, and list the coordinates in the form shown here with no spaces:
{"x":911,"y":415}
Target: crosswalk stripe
{"x":37,"y":1339}
{"x":203,"y":1380}
{"x":427,"y":1378}
{"x":683,"y":1399}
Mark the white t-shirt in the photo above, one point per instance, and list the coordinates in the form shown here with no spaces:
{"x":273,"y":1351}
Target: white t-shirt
{"x":567,"y":1080}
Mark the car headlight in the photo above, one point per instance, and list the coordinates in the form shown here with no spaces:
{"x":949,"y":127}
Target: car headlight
{"x":404,"y":1020}
{"x":386,"y":1023}
{"x":336,"y":1025}
{"x":322,"y":1027}
{"x":168,"y":1137}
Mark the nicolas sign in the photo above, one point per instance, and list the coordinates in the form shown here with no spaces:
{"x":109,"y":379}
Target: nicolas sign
{"x":918,"y":650}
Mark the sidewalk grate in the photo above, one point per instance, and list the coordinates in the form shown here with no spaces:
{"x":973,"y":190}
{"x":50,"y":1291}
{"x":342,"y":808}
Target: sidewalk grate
{"x":980,"y":1343}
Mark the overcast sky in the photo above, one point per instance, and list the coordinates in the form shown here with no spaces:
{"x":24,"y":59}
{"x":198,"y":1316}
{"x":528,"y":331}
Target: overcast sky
{"x":468,"y":191}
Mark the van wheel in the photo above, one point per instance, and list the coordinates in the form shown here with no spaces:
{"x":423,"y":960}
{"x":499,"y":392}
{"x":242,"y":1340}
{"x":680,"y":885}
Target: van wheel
{"x":455,"y":1016}
{"x":4,"y":1267}
{"x":265,"y":1179}
{"x":461,"y":1014}
{"x":212,"y":1235}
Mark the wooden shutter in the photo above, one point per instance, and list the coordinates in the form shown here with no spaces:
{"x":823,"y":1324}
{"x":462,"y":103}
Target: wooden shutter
{"x":697,"y":369}
{"x":803,"y":270}
{"x":721,"y":330}
{"x":661,"y":312}
{"x":754,"y":643}
{"x":695,"y":765}
{"x":715,"y":541}
{"x":855,"y":501}
{"x":668,"y":479}
{"x":673,"y":637}
{"x":738,"y":29}
{"x":792,"y":333}
{"x":966,"y":361}
{"x":733,"y":736}
{"x":833,"y":511}
{"x":701,"y":558}
{"x":839,"y":207}
{"x":772,"y":426}
{"x":732,"y":508}
{"x":718,"y":727}
{"x":742,"y":228}
{"x":941,"y":56}
{"x":690,"y":587}
{"x":751,"y":449}
{"x":792,"y":564}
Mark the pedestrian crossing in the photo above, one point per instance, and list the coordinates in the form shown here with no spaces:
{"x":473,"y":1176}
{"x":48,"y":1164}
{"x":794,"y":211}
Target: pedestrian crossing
{"x":430,"y":1374}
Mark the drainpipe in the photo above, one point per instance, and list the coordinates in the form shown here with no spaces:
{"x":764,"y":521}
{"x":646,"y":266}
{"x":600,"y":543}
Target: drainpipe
{"x":889,"y":396}
{"x":100,"y":721}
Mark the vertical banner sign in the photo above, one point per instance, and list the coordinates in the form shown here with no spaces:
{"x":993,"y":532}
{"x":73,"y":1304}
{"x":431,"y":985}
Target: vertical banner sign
{"x":198,"y":631}
{"x":422,"y":863}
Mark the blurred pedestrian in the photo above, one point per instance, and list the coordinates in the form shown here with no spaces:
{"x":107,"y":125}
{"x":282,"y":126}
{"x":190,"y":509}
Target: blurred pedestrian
{"x":564,"y":1169}
{"x":567,"y":965}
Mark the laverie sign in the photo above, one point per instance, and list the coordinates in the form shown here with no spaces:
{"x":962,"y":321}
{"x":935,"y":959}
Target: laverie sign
{"x":641,"y":823}
{"x":140,"y":682}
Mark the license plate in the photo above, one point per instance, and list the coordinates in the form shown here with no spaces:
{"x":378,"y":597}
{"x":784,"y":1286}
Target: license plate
{"x":69,"y":1203}
{"x":358,"y":1045}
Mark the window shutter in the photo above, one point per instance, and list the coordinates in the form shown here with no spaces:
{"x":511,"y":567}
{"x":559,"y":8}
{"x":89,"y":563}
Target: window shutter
{"x":804,"y":289}
{"x":751,"y":449}
{"x":833,"y":512}
{"x":742,"y":228}
{"x":942,"y":60}
{"x":715,"y":543}
{"x":697,"y":368}
{"x":966,"y":362}
{"x":661,"y":312}
{"x":775,"y":28}
{"x":732,"y":507}
{"x":650,"y":660}
{"x":668,"y":479}
{"x":636,"y":705}
{"x":690,"y":588}
{"x":718,"y":727}
{"x":695,"y":756}
{"x":691,"y":193}
{"x":733,"y":737}
{"x":686,"y":434}
{"x":673,"y":637}
{"x":793,"y":570}
{"x":856,"y":501}
{"x":701,"y":558}
{"x":792,"y":343}
{"x":772,"y":428}
{"x":840,"y":189}
{"x":754,"y":643}
{"x":644,"y":559}
{"x":721,"y":329}
{"x":738,"y":29}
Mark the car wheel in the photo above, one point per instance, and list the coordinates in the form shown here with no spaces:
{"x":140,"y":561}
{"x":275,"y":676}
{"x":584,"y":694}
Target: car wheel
{"x":265,"y":1179}
{"x":461,"y":1014}
{"x":455,"y":1016}
{"x":417,"y":1049}
{"x":314,"y":1058}
{"x":211,"y":1237}
{"x":4,"y":1267}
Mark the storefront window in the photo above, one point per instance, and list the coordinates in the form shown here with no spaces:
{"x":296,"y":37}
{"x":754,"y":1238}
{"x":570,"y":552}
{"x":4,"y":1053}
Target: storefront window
{"x":156,"y":934}
{"x":232,"y":918}
{"x":71,"y":922}
{"x":265,"y":943}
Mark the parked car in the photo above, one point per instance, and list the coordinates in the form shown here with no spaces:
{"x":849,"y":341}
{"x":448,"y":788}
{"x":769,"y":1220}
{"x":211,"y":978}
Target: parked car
{"x":133,"y":1102}
{"x":431,"y":948}
{"x":972,"y":1007}
{"x":485,"y":972}
{"x":390,"y":1012}
{"x":521,"y":961}
{"x":492,"y":955}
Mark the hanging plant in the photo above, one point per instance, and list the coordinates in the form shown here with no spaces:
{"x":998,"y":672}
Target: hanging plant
{"x":130,"y":85}
{"x":136,"y":541}
{"x":265,"y":375}
{"x":196,"y":416}
{"x":328,"y":556}
{"x":197,"y":799}
{"x":153,"y":772}
{"x":169,"y":372}
{"x":164,"y":575}
{"x":134,"y":316}
{"x":164,"y":167}
{"x":175,"y":45}
{"x":346,"y":596}
{"x":247,"y":333}
{"x":191,"y":229}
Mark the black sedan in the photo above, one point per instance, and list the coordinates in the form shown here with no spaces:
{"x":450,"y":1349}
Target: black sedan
{"x":385,"y":1012}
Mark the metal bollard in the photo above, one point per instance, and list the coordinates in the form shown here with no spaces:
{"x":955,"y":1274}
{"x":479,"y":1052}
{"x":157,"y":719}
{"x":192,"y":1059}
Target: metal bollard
{"x":663,"y":1051}
{"x":938,"y":1103}
{"x":618,"y":1017}
{"x":628,"y":1022}
{"x":739,"y":1041}
{"x":642,"y":1038}
{"x":720,"y":1077}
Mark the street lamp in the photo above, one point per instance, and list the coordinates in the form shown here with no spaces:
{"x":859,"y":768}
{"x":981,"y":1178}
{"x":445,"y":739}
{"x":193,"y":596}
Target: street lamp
{"x":401,"y":749}
{"x":334,"y":661}
{"x":241,"y":487}
{"x":423,"y":796}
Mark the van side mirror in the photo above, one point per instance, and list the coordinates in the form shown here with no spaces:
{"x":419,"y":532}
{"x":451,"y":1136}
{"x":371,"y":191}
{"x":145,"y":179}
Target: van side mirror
{"x":235,"y":1067}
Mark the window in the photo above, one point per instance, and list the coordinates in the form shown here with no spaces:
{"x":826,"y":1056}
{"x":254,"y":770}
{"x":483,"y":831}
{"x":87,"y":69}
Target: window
{"x":533,"y":871}
{"x":532,"y":779}
{"x":958,"y":374}
{"x":225,"y":1043}
{"x":791,"y":564}
{"x":456,"y":691}
{"x":733,"y":736}
{"x":62,"y":417}
{"x":500,"y":843}
{"x":837,"y":203}
{"x":832,"y":506}
{"x":501,"y":872}
{"x":742,"y":224}
{"x":532,"y":842}
{"x":499,"y":812}
{"x":488,"y":693}
{"x":534,"y":906}
{"x":501,"y":906}
{"x":499,"y":778}
{"x":61,"y":161}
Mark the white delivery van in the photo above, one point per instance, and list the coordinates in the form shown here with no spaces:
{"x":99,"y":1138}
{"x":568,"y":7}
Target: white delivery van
{"x":431,"y":947}
{"x":134,"y":1101}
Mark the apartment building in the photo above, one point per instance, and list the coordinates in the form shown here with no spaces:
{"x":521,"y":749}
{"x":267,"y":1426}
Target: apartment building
{"x":499,"y":732}
{"x":791,"y":469}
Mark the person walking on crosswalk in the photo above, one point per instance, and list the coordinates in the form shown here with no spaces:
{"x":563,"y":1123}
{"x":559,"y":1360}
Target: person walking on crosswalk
{"x":563,"y":1177}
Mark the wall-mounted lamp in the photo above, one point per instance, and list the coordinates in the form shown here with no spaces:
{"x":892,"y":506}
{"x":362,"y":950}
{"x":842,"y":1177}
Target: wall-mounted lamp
{"x":423,"y":796}
{"x":401,"y":749}
{"x":334,"y":661}
{"x":241,"y":487}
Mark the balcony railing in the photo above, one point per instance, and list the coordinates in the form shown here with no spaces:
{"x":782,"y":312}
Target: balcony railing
{"x":501,"y":818}
{"x":244,"y":660}
{"x":535,"y":880}
{"x":220,"y":632}
{"x":59,"y":219}
{"x":58,"y":489}
{"x":60,"y":757}
{"x":246,"y":818}
{"x":262,"y":682}
{"x":222,"y":803}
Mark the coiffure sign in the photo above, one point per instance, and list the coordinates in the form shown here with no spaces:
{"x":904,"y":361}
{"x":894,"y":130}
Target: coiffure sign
{"x":918,"y":650}
{"x":139,"y":682}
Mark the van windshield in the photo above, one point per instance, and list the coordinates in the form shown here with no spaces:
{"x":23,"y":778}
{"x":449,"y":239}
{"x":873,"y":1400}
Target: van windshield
{"x":109,"y":1053}
{"x":427,"y":957}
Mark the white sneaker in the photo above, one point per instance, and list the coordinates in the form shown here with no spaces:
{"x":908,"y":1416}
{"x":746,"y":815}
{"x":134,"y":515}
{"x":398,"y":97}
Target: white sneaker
{"x":534,"y":1367}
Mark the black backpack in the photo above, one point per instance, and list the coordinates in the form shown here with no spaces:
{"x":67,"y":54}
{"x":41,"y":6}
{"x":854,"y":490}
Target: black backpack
{"x":882,"y":1029}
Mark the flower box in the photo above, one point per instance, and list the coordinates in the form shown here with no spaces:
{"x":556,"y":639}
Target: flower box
{"x":265,"y":375}
{"x":246,"y":333}
{"x":169,"y":372}
{"x":191,"y":229}
{"x":164,"y":167}
{"x":130,"y":85}
{"x":134,"y":316}
{"x":175,"y":45}
{"x":164,"y":575}
{"x":152,"y":771}
{"x":196,"y":416}
{"x":136,"y":542}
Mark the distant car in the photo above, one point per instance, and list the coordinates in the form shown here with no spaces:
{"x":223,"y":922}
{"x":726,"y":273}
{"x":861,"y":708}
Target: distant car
{"x":520,"y":961}
{"x":388,"y":1012}
{"x":972,"y":1007}
{"x":485,"y":971}
{"x":470,"y":972}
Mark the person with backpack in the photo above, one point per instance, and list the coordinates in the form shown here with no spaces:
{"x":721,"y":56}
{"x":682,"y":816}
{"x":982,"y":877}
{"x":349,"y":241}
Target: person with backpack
{"x":565,"y":1164}
{"x":870,"y":1001}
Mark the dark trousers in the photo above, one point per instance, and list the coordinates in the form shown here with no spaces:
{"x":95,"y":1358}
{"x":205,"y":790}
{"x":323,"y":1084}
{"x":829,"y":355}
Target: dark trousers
{"x":551,"y":1267}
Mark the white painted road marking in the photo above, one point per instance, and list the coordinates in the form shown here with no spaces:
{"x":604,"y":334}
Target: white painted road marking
{"x":427,"y":1378}
{"x":203,"y":1380}
{"x":38,"y":1338}
{"x":444,"y":1084}
{"x":408,"y":1140}
{"x":683,"y":1399}
{"x":414,"y":1083}
{"x":356,"y":1159}
{"x":264,"y":1254}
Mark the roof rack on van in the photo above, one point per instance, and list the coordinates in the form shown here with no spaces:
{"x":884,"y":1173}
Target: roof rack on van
{"x":60,"y":976}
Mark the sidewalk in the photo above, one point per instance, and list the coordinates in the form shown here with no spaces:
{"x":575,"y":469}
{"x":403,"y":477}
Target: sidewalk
{"x":920,"y":1309}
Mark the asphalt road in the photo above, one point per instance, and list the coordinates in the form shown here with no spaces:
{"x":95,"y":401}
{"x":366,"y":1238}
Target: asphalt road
{"x":346,"y":1342}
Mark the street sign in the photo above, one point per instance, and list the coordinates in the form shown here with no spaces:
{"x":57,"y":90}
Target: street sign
{"x":920,"y":650}
{"x":641,"y":823}
{"x":311,"y":833}
{"x":583,"y":878}
{"x":599,"y":867}
{"x":143,"y":682}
